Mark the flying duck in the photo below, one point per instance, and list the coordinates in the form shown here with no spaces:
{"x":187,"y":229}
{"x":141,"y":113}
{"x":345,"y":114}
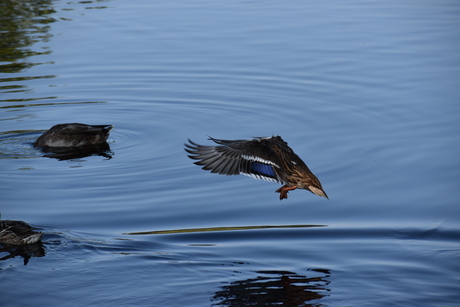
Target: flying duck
{"x":264,"y":158}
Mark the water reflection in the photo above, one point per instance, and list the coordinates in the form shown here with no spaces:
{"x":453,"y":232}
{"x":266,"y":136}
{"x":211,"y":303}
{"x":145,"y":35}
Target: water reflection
{"x":23,"y":23}
{"x":26,"y":251}
{"x":68,"y":153}
{"x":275,"y":288}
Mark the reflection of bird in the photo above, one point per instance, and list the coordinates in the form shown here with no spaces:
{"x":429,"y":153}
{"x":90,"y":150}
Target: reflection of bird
{"x":73,"y":135}
{"x":17,"y":233}
{"x":275,"y":288}
{"x":267,"y":158}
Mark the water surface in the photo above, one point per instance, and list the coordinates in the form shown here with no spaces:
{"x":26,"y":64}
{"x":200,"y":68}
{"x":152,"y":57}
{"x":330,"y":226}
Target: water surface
{"x":365,"y":93}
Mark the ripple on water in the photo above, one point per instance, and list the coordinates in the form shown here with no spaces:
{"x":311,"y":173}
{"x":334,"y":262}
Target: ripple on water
{"x":19,"y":145}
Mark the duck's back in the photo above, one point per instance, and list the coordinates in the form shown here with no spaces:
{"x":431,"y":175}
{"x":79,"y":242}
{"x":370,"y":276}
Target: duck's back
{"x":73,"y":135}
{"x":17,"y":233}
{"x":16,"y":226}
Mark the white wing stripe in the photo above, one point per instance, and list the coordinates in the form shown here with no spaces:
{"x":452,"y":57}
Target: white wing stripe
{"x":258,"y":159}
{"x":260,"y":177}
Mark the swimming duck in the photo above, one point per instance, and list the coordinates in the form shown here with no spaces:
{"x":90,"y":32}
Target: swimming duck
{"x":17,"y":233}
{"x":265,"y":158}
{"x":73,"y":135}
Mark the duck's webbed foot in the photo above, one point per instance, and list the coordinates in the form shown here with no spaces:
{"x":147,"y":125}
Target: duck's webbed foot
{"x":284,"y":191}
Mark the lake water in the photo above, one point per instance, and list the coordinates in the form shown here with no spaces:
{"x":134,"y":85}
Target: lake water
{"x":365,"y":92}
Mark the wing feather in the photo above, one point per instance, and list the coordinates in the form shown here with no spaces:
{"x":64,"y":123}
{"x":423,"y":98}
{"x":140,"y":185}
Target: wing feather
{"x":232,"y":157}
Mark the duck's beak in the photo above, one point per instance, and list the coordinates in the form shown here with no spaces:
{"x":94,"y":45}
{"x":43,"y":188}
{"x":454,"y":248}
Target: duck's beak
{"x":318,"y":191}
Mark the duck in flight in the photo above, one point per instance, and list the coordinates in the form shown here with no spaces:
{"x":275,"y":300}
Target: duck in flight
{"x":265,"y":158}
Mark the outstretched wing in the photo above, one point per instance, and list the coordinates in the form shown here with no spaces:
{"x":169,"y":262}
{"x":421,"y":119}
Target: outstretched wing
{"x":232,"y":157}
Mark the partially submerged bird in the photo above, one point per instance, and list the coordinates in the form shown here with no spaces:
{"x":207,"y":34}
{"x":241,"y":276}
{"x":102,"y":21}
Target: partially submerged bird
{"x":266,"y":158}
{"x":74,"y":135}
{"x":17,"y":233}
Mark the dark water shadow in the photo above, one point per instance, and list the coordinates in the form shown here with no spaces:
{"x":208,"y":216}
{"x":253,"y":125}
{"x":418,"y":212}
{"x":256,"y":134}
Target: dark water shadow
{"x":26,"y":251}
{"x":68,"y":153}
{"x":263,"y":287}
{"x":275,"y":288}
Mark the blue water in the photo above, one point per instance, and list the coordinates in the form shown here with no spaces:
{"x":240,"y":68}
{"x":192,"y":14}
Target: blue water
{"x":366,"y":93}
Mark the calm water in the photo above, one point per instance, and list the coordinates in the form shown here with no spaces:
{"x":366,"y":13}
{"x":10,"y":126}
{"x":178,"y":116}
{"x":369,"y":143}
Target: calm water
{"x":367,"y":93}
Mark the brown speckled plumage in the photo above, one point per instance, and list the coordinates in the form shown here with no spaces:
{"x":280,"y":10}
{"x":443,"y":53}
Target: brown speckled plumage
{"x":266,"y":158}
{"x":17,"y":233}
